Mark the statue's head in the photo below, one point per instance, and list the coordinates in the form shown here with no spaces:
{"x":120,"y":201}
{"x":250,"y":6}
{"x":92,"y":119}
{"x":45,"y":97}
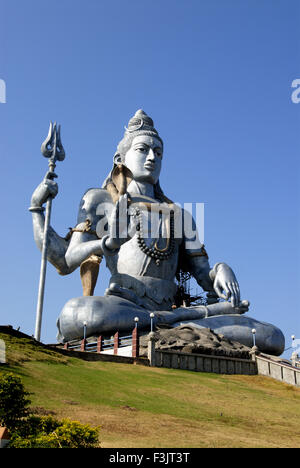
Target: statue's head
{"x":141,"y":151}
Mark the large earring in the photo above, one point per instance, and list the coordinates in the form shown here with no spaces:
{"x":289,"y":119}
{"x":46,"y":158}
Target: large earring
{"x":117,"y":159}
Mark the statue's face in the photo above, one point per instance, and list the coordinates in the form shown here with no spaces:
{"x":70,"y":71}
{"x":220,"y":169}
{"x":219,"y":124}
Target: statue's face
{"x":144,"y":158}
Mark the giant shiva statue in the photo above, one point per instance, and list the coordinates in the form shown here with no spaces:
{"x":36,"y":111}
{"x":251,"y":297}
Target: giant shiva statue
{"x":145,"y":239}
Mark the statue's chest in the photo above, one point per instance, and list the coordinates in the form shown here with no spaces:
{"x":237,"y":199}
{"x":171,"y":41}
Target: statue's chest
{"x":152,"y":250}
{"x":155,"y":234}
{"x":133,"y":259}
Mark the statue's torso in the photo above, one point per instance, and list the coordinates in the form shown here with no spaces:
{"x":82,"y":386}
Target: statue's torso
{"x":131,"y":267}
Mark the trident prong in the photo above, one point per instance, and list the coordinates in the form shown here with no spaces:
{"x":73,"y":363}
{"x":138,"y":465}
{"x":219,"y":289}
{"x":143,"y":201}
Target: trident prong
{"x":52,"y":147}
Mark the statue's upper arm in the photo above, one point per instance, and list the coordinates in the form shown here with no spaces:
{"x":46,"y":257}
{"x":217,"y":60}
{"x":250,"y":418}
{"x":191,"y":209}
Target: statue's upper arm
{"x":86,"y":232}
{"x":95,"y":206}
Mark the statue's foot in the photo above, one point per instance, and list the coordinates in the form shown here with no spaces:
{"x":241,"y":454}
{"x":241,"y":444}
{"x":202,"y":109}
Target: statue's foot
{"x":242,"y":308}
{"x":115,"y":290}
{"x":225,"y":308}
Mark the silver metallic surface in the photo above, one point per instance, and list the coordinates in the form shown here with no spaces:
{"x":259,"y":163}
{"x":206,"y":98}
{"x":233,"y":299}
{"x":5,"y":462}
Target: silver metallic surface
{"x":41,"y":291}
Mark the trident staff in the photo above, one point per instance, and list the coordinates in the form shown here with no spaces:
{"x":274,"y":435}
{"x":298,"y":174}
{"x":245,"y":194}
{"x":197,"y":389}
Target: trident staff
{"x":51,"y":148}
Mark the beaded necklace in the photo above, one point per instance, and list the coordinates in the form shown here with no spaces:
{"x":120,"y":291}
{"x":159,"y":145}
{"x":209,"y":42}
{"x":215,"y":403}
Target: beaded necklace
{"x":155,"y":252}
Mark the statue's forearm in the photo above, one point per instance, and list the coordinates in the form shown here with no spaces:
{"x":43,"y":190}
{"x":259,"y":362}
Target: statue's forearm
{"x":65,"y":256}
{"x":200,"y":269}
{"x":57,"y":246}
{"x":38,"y":222}
{"x":79,"y":252}
{"x":82,"y":247}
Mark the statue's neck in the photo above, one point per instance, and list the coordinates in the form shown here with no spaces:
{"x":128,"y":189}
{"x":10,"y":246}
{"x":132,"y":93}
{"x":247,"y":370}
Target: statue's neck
{"x":142,"y":188}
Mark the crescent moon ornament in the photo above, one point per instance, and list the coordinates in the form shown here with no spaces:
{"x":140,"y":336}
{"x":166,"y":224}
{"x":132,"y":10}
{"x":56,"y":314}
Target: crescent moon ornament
{"x":135,"y":127}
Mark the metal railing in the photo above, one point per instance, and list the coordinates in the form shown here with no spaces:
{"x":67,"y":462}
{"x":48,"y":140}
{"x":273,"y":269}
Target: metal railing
{"x":101,"y":345}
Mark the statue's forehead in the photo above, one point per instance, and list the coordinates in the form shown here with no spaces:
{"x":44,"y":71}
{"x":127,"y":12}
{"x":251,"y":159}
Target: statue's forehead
{"x":149,"y":140}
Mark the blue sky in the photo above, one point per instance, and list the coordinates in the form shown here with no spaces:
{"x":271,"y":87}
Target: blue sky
{"x":216,"y":78}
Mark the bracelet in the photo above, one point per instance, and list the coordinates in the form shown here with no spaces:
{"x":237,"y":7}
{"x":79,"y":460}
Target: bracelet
{"x":36,"y":208}
{"x":107,"y":252}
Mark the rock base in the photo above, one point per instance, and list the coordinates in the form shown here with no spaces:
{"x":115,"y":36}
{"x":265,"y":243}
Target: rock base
{"x":189,"y":339}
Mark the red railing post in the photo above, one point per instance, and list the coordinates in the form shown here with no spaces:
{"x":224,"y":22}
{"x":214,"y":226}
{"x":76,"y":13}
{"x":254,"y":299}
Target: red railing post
{"x":99,"y":344}
{"x":135,"y":343}
{"x":83,"y":344}
{"x":116,"y":342}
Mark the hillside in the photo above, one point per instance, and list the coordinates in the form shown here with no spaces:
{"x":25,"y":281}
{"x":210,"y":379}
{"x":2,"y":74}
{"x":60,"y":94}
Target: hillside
{"x":139,"y":406}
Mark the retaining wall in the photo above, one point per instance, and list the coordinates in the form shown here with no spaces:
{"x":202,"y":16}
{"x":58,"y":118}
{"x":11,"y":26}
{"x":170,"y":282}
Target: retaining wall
{"x":278,"y":371}
{"x":227,"y":365}
{"x":204,"y":363}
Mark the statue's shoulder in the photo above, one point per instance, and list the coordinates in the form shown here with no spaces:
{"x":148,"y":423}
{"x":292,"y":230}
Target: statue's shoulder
{"x":96,"y":195}
{"x":90,"y":201}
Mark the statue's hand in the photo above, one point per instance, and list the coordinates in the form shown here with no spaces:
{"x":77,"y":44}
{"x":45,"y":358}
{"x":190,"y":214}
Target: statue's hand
{"x":47,"y":188}
{"x":120,"y":228}
{"x":226,"y":281}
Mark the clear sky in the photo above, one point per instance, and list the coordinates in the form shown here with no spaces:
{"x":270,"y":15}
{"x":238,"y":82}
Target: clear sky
{"x":215,"y":75}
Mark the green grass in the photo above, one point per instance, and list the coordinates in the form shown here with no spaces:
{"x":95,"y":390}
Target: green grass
{"x":139,"y":406}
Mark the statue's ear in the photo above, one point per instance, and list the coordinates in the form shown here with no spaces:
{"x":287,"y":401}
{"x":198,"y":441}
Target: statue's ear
{"x":117,"y":159}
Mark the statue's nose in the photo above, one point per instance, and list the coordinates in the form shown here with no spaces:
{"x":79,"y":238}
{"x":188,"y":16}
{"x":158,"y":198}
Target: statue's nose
{"x":151,"y":155}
